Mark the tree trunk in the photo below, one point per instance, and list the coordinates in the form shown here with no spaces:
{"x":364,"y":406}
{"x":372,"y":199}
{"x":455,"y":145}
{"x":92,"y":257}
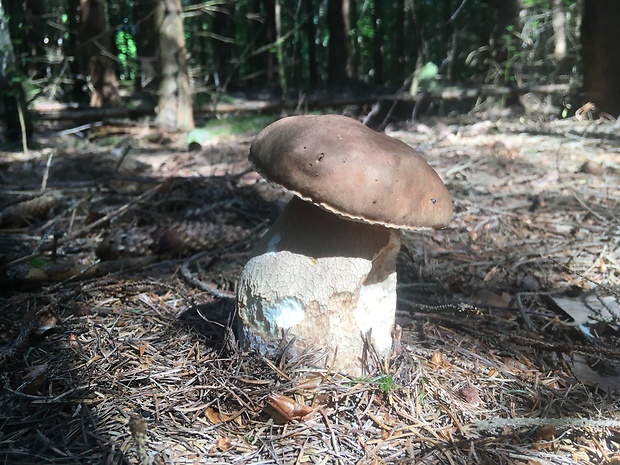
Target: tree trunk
{"x":355,"y":57}
{"x":264,"y":61}
{"x":600,"y":36}
{"x":13,"y":97}
{"x":28,"y":33}
{"x":502,"y":17}
{"x":559,"y":36}
{"x":175,"y":110}
{"x":399,"y":57}
{"x":223,"y":50}
{"x":280,"y":50}
{"x":338,"y":48}
{"x":79,"y":62}
{"x":95,"y":37}
{"x":449,"y":36}
{"x":311,"y":41}
{"x":377,"y":43}
{"x":146,"y":43}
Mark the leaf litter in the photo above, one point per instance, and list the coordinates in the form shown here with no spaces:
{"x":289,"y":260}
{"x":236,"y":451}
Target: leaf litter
{"x":509,"y":346}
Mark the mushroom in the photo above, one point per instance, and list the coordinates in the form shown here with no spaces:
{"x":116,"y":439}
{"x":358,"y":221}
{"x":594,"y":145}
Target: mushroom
{"x":324,"y":276}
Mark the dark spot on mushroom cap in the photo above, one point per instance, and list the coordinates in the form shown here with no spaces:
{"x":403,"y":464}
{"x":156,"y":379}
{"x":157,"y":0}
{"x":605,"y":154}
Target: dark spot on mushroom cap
{"x":434,"y":200}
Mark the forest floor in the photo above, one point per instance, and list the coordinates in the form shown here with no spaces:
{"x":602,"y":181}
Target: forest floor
{"x":118,"y":291}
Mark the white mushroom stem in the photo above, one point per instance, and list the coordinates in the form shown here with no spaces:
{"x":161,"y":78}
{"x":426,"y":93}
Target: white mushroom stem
{"x":324,"y":281}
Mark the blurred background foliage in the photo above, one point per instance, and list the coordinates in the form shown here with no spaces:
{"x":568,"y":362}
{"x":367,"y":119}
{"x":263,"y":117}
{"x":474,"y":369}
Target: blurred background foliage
{"x":100,"y":52}
{"x":230,"y":46}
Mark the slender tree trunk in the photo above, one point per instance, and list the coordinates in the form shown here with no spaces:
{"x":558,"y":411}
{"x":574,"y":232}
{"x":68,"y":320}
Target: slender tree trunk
{"x":146,"y":43}
{"x":449,"y":34}
{"x":280,"y":49}
{"x":224,"y":30}
{"x":501,"y":17}
{"x":16,"y":116}
{"x":36,"y":44}
{"x":377,"y":43}
{"x":175,"y":110}
{"x":26,"y":29}
{"x":559,"y":36}
{"x":79,"y":61}
{"x":267,"y":35}
{"x":600,"y":36}
{"x":419,"y":50}
{"x":95,"y":37}
{"x":295,"y":75}
{"x":313,"y":75}
{"x":205,"y":52}
{"x":398,"y":61}
{"x":354,"y":48}
{"x":338,"y":65}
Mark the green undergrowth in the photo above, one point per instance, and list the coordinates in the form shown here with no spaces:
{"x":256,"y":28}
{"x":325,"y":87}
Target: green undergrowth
{"x":231,"y":126}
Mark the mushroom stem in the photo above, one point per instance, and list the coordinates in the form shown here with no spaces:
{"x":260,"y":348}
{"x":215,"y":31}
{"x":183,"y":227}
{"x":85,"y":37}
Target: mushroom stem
{"x":323,"y":280}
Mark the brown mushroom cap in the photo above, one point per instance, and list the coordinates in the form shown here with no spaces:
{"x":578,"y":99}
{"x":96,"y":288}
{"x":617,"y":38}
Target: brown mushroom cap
{"x":347,"y":168}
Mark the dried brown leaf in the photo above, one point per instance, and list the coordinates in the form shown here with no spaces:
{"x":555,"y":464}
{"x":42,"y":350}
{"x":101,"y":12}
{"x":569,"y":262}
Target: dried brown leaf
{"x":217,"y":417}
{"x":36,"y":378}
{"x":289,"y":408}
{"x":470,"y":395}
{"x":309,"y":381}
{"x":224,"y":443}
{"x":487,"y":298}
{"x":34,"y":371}
{"x":545,"y":432}
{"x":589,"y":311}
{"x":45,"y":323}
{"x":588,"y":376}
{"x":439,"y":360}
